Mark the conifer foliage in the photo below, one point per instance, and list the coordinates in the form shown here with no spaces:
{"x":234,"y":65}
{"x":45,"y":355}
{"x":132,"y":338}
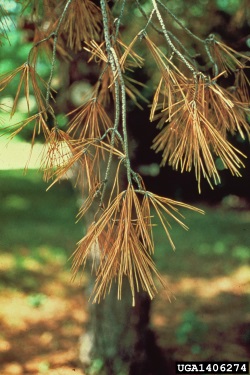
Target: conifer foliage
{"x":193,"y":113}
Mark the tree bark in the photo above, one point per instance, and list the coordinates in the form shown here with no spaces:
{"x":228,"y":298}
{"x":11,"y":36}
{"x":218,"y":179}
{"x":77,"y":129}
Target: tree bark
{"x":119,"y":340}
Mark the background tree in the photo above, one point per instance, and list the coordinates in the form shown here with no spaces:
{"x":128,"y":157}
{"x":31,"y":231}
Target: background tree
{"x":197,"y":111}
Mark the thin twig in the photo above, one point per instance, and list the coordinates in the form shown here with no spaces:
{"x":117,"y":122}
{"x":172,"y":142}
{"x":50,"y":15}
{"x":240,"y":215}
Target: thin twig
{"x":55,"y":34}
{"x":124,"y":114}
{"x":209,"y":40}
{"x":159,"y":31}
{"x":189,"y":32}
{"x":118,"y":20}
{"x":116,"y":87}
{"x":165,"y":32}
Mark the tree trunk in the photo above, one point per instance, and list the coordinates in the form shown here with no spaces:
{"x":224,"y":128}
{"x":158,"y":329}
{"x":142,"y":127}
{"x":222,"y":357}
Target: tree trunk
{"x":119,"y":340}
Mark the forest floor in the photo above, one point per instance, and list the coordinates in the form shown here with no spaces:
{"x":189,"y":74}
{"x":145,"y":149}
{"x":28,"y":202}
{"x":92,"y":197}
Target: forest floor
{"x":42,"y":313}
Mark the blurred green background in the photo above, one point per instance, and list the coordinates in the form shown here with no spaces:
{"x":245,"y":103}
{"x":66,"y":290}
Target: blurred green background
{"x":42,"y":313}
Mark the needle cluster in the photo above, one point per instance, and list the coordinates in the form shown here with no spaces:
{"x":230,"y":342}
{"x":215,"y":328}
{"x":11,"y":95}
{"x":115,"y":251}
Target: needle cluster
{"x":195,"y":116}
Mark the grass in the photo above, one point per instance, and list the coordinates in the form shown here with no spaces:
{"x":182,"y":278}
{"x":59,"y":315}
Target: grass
{"x":42,"y":312}
{"x":38,"y":227}
{"x":41,"y":224}
{"x":33,"y":217}
{"x":219,"y":239}
{"x":209,"y":274}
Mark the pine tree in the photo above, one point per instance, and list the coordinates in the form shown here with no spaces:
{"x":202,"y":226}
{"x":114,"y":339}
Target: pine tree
{"x":194,"y":113}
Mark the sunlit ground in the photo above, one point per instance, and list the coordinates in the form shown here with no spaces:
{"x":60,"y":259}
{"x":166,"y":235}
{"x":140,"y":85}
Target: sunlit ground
{"x":42,"y":313}
{"x":210,"y":276}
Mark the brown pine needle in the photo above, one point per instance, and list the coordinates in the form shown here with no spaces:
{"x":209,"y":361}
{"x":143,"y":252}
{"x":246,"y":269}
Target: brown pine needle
{"x":97,"y":51}
{"x":56,"y":153}
{"x":227,"y":58}
{"x":82,"y":24}
{"x":122,"y":240}
{"x":28,"y":77}
{"x":199,"y":120}
{"x":90,"y":121}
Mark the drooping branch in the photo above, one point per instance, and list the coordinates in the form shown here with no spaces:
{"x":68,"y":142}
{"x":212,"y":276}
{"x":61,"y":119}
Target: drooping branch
{"x":194,"y":114}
